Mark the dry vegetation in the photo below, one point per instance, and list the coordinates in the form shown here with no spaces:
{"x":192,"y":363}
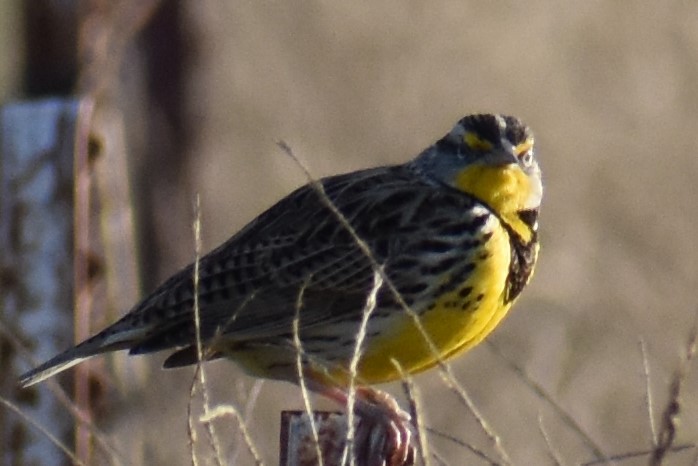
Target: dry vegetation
{"x":609,"y":89}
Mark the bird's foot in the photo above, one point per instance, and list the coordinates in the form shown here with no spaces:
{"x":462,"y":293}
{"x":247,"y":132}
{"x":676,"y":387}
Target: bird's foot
{"x":384,"y":431}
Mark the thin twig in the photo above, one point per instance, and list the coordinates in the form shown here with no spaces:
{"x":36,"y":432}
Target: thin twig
{"x":669,"y":426}
{"x":444,"y":368}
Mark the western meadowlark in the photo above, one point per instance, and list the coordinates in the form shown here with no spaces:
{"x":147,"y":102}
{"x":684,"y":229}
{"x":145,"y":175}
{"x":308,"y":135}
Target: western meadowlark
{"x":454,"y":232}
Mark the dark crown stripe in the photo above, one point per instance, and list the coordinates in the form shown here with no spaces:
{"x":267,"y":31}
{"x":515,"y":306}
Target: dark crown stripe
{"x":486,"y":126}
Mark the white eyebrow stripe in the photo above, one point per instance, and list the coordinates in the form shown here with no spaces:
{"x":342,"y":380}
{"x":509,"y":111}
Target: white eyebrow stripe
{"x":502,"y":123}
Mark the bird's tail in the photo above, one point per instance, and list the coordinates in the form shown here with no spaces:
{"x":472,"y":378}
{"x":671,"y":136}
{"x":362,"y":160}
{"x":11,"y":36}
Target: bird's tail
{"x":50,"y":368}
{"x":98,"y":344}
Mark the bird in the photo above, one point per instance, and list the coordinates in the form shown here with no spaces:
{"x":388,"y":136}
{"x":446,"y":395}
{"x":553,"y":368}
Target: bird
{"x":453,"y":233}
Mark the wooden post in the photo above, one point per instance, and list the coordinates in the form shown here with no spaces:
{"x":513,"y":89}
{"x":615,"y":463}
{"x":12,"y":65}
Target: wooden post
{"x":297,"y":445}
{"x":36,"y":247}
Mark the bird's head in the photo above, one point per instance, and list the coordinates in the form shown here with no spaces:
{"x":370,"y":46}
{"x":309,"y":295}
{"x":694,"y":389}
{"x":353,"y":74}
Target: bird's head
{"x":491,"y":158}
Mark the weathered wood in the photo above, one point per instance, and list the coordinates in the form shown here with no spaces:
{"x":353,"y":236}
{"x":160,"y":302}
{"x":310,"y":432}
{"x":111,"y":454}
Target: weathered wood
{"x":36,"y":289}
{"x":298,"y":446}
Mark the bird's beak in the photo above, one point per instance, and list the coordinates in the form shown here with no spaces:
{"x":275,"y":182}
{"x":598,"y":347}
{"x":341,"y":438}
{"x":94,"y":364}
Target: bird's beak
{"x":502,"y":157}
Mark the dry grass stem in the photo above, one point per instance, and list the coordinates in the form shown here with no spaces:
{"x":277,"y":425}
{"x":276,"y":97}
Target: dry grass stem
{"x":55,"y":440}
{"x":553,"y":454}
{"x":476,"y":451}
{"x":101,"y":439}
{"x":370,"y":306}
{"x":250,"y":404}
{"x":566,"y":418}
{"x":85,"y":428}
{"x":670,"y":418}
{"x":633,"y":455}
{"x":444,"y":368}
{"x":230,"y":410}
{"x":210,"y":414}
{"x":416,"y":412}
{"x":191,"y":429}
{"x":199,"y":373}
{"x":440,"y":461}
{"x":305,"y":393}
{"x":648,"y":392}
{"x":462,"y":395}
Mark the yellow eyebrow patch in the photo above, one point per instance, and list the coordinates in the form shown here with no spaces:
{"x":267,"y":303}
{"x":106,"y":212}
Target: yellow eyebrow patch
{"x":475,"y":142}
{"x":524,"y":146}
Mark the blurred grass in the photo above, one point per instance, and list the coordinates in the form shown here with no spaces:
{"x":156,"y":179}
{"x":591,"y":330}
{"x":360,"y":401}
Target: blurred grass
{"x":609,"y":89}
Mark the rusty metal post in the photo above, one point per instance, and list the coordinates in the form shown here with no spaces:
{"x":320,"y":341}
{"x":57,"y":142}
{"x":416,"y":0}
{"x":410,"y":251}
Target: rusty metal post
{"x":36,"y":244}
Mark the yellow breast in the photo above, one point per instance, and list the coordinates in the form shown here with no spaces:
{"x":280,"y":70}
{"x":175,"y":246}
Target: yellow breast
{"x":455,"y":321}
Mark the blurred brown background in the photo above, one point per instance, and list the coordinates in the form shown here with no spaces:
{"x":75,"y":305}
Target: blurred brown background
{"x":610,"y":89}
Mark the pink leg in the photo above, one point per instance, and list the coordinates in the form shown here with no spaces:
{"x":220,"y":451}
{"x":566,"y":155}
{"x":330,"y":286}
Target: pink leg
{"x":383,"y":433}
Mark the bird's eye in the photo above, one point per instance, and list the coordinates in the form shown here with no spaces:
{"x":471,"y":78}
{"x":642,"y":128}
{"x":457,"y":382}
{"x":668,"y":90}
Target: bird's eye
{"x":525,"y":152}
{"x":526,"y":158}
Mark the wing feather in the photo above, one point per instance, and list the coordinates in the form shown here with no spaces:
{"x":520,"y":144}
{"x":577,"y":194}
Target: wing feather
{"x":249,"y":285}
